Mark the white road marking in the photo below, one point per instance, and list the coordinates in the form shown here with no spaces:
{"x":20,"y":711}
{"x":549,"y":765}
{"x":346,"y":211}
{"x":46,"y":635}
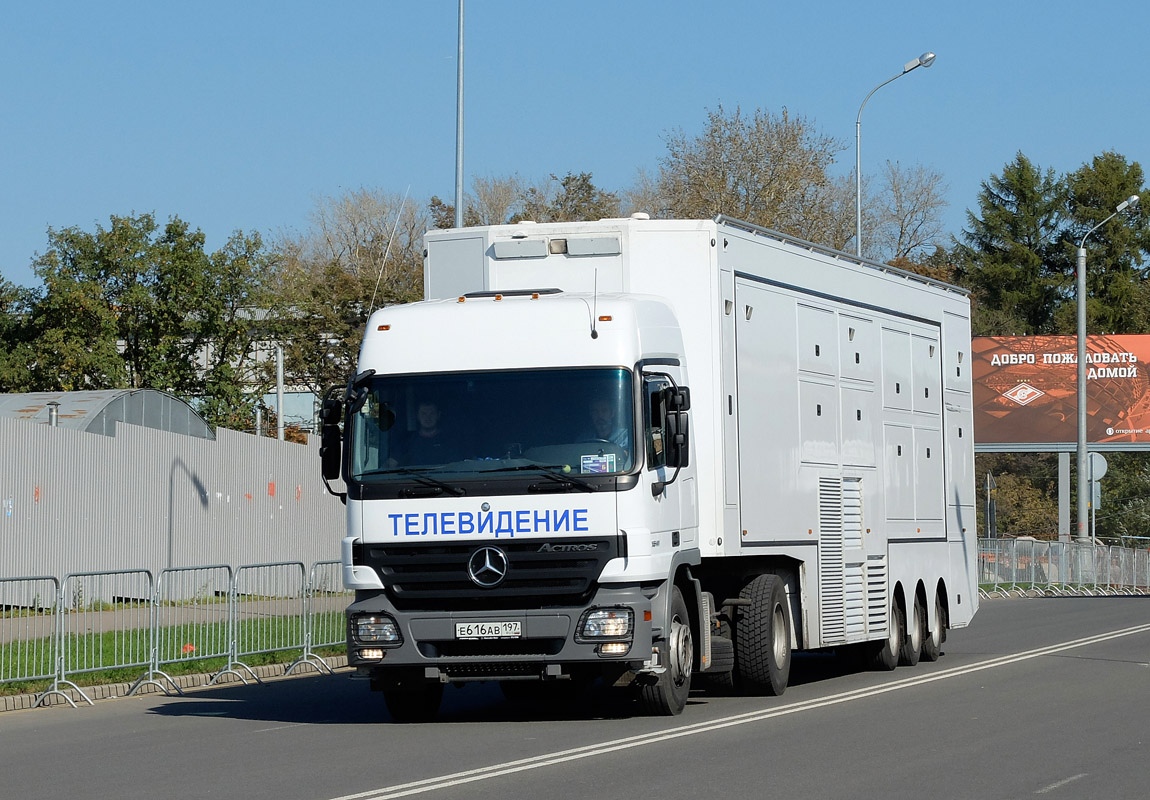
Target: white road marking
{"x":1061,"y":783}
{"x":588,"y":751}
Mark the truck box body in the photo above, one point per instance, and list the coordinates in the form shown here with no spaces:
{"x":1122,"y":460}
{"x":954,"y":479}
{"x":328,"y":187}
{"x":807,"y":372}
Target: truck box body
{"x":830,"y":442}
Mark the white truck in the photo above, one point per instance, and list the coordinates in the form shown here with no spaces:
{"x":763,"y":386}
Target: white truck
{"x":637,"y":451}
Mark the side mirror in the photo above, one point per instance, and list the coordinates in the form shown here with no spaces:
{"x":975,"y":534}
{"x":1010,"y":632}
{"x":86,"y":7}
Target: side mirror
{"x":678,"y":440}
{"x":678,"y":398}
{"x":679,"y":444}
{"x":330,"y":452}
{"x":331,"y":438}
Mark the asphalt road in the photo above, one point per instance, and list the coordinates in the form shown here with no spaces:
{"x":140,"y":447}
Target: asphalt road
{"x":1037,"y":699}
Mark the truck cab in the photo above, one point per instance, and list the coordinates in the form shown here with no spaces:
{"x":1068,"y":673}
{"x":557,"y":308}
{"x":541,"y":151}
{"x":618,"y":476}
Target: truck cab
{"x":514,"y":464}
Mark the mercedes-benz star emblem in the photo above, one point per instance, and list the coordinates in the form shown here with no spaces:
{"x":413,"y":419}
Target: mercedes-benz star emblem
{"x":487,"y":567}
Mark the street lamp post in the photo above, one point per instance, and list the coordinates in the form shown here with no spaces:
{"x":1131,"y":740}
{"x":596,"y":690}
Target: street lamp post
{"x":925,"y":60}
{"x":1080,"y":299}
{"x":459,"y":126}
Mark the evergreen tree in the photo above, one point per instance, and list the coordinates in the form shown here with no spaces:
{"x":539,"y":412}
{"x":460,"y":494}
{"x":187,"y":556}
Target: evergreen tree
{"x":1009,"y":255}
{"x":1118,"y":300}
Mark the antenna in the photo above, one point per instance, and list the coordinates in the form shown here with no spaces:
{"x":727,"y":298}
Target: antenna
{"x":390,"y":239}
{"x":595,"y":301}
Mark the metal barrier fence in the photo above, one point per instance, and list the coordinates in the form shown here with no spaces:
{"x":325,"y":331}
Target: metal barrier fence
{"x":53,"y":630}
{"x":28,"y":628}
{"x":1028,"y":567}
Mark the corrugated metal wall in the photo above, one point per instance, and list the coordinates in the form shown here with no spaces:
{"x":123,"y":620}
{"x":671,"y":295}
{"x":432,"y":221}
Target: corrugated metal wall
{"x":72,"y":501}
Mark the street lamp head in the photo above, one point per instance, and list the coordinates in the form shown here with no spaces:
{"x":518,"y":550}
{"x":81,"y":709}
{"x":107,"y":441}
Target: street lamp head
{"x":925,"y":60}
{"x":1129,"y":202}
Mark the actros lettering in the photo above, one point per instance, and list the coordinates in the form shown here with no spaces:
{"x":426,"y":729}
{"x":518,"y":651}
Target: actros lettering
{"x":501,"y":523}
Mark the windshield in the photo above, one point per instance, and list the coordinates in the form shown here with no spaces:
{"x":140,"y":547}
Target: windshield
{"x":568,"y":422}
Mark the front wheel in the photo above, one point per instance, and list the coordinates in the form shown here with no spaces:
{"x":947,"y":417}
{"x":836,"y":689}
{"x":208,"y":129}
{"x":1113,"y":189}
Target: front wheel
{"x":763,"y":638}
{"x":667,"y":696}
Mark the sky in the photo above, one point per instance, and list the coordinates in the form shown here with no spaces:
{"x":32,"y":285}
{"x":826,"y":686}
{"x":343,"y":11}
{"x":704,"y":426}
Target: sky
{"x":244,"y":115}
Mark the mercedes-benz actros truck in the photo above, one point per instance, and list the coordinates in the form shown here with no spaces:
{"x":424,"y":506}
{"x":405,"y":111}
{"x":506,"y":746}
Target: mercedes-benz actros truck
{"x":643,"y":452}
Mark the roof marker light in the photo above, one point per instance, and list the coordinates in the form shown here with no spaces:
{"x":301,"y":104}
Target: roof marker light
{"x":605,"y":318}
{"x":383,"y":328}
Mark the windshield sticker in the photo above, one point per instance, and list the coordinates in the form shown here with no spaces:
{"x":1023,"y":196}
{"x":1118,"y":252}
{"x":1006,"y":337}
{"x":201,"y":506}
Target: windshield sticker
{"x":601,"y":463}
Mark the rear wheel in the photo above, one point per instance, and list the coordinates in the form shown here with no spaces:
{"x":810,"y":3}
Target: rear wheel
{"x":911,"y":649}
{"x":667,"y":696}
{"x":932,"y":640}
{"x":763,"y":638}
{"x":885,"y":654}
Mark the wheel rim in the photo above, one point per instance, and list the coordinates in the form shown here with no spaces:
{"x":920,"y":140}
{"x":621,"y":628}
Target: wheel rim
{"x":893,"y":635}
{"x":936,"y":634}
{"x":681,"y":647}
{"x":916,"y":628}
{"x":779,"y":641}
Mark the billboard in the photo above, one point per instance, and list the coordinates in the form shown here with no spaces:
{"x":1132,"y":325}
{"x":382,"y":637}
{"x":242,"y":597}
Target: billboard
{"x":1025,"y":390}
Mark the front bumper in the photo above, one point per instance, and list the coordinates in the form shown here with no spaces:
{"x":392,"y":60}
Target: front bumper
{"x":549,"y":645}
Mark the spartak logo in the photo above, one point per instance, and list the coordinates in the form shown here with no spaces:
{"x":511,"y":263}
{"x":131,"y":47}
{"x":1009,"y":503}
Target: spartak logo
{"x":1023,"y":393}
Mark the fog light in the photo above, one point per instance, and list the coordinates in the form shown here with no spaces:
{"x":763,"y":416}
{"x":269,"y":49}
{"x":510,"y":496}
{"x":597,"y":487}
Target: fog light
{"x":613,"y":648}
{"x":607,"y":623}
{"x":377,"y":629}
{"x":371,"y":653}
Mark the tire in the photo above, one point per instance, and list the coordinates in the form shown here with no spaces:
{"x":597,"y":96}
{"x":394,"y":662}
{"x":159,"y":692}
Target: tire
{"x":885,"y":653}
{"x":667,"y":696}
{"x":410,"y":700}
{"x":911,"y":650}
{"x":720,"y":678}
{"x":763,"y":638}
{"x":932,"y":641}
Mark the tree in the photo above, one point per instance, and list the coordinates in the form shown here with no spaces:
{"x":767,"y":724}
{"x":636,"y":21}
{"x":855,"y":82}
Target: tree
{"x":136,"y":306}
{"x":1118,"y":300}
{"x":1008,"y":257}
{"x":578,"y":198}
{"x":1027,"y":496}
{"x":14,"y":376}
{"x":238,"y":313}
{"x":643,"y":196}
{"x":909,"y":210}
{"x":492,"y":201}
{"x":363,"y":250}
{"x":769,"y":170}
{"x":1124,"y":515}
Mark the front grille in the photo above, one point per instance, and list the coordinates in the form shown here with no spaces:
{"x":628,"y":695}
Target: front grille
{"x":434,"y":577}
{"x":502,"y":648}
{"x":500,"y":669}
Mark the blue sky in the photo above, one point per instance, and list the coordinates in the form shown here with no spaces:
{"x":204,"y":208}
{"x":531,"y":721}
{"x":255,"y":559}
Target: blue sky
{"x":240,"y":115}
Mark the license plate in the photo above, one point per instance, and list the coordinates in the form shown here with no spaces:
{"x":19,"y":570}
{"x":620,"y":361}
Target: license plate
{"x":506,"y":629}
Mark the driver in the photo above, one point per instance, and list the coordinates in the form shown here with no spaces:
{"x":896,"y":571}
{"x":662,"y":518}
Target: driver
{"x":606,"y":426}
{"x":425,"y":445}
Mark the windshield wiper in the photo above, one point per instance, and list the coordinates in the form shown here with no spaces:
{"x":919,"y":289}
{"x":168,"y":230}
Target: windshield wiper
{"x":552,"y":471}
{"x":420,"y":475}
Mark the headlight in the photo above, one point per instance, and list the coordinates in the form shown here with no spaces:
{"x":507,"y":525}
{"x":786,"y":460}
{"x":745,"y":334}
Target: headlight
{"x":377,"y":629}
{"x":606,"y":623}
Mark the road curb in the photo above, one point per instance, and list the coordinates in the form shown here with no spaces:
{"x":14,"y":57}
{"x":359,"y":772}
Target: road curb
{"x":112,"y":691}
